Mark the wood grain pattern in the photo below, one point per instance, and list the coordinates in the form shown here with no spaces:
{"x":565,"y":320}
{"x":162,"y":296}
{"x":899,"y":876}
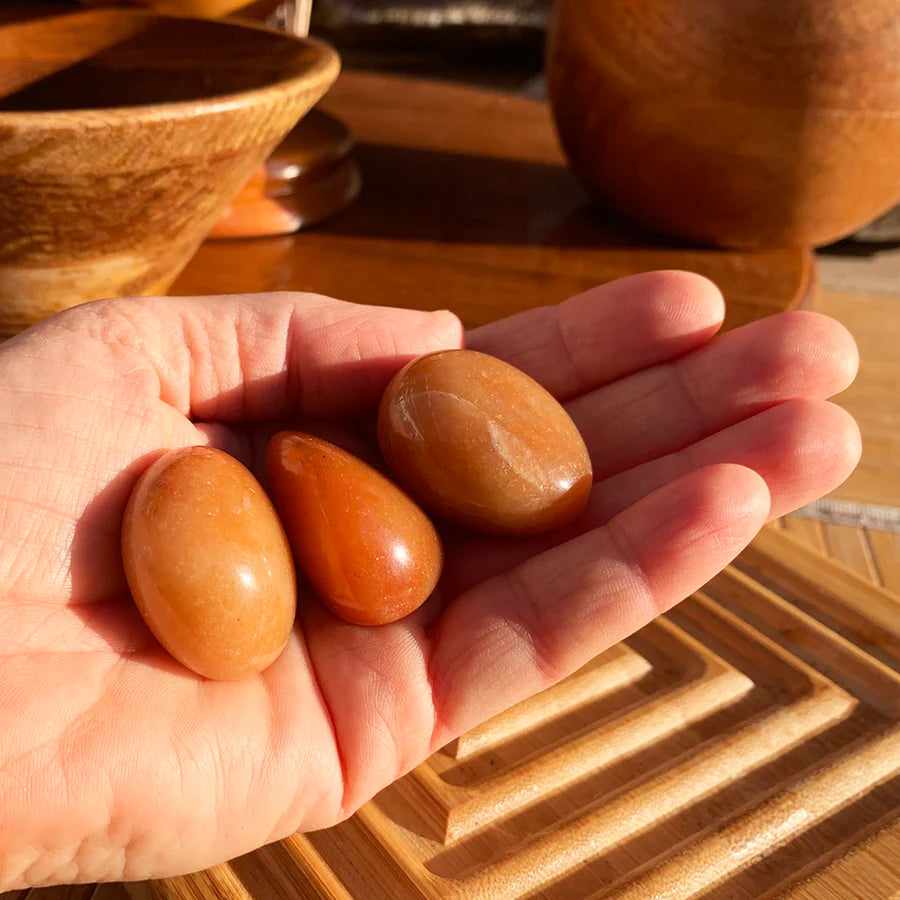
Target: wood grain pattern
{"x":741,"y":125}
{"x":873,"y":870}
{"x":838,"y":594}
{"x":119,"y":153}
{"x":747,"y":744}
{"x":310,"y":176}
{"x":484,"y":221}
{"x":885,"y":549}
{"x":873,"y":554}
{"x":219,"y":882}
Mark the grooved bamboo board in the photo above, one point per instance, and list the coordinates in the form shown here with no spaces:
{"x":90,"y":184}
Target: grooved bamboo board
{"x":870,"y":552}
{"x":745,"y":745}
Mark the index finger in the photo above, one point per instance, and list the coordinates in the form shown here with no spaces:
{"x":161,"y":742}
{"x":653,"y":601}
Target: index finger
{"x":607,"y":332}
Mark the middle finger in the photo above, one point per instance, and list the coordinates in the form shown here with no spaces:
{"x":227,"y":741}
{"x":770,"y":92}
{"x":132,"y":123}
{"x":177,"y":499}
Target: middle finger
{"x":736,"y":375}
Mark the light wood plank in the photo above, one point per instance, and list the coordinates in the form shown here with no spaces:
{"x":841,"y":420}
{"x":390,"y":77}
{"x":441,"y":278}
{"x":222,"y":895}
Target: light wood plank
{"x":871,"y":871}
{"x":885,"y":549}
{"x":874,"y":321}
{"x":766,"y":827}
{"x":809,"y":531}
{"x":850,"y":546}
{"x":863,"y":612}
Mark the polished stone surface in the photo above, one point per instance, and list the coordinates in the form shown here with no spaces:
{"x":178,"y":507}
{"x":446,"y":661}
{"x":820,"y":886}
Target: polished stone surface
{"x":208,"y":563}
{"x":371,"y":555}
{"x":482,"y":443}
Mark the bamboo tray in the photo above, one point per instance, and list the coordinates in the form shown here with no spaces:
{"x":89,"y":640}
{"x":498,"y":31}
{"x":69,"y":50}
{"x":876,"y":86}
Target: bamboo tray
{"x":745,"y":745}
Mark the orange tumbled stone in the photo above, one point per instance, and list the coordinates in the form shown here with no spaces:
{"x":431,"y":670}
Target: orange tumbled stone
{"x":371,"y":555}
{"x":480,"y":442}
{"x":208,"y":563}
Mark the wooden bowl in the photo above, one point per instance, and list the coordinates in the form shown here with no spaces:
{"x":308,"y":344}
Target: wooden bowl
{"x":201,"y":9}
{"x":743,"y":124}
{"x":125,"y":134}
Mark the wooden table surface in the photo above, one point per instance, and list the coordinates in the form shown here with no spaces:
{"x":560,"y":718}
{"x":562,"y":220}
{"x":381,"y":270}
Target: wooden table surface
{"x":745,"y":745}
{"x":459,"y":211}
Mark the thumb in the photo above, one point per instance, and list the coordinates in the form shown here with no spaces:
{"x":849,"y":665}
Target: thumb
{"x":263,"y":356}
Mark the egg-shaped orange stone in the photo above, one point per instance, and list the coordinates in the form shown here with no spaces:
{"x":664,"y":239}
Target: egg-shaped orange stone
{"x":371,"y":555}
{"x":208,"y":563}
{"x":480,"y":442}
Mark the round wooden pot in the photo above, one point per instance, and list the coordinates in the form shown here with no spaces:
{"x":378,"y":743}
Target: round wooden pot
{"x":742,"y":124}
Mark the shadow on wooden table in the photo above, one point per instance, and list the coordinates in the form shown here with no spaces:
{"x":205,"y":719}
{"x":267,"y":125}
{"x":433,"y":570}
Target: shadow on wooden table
{"x":485,"y":237}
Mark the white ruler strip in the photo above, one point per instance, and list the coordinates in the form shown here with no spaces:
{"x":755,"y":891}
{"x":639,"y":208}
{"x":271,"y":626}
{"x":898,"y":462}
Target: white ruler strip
{"x":860,"y":515}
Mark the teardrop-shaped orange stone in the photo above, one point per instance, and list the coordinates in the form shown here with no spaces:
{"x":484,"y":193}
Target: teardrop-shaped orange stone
{"x":371,"y":555}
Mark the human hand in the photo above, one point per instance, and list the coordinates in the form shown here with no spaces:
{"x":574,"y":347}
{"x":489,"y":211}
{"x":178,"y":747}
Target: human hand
{"x":118,"y":763}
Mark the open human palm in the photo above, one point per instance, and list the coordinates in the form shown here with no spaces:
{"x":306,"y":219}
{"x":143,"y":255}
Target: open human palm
{"x":118,"y":763}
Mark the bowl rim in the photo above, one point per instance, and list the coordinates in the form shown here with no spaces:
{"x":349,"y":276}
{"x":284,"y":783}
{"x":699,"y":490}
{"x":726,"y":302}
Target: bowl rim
{"x":324,"y":69}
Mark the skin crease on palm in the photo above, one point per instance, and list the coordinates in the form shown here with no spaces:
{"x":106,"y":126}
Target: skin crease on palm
{"x":117,"y":763}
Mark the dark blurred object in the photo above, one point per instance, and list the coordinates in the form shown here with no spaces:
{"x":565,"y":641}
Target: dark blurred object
{"x":885,"y":230}
{"x":424,"y":38}
{"x":498,"y":43}
{"x":443,"y":23}
{"x":744,"y":124}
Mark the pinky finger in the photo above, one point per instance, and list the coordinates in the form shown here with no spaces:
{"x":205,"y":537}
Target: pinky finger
{"x":517,"y":633}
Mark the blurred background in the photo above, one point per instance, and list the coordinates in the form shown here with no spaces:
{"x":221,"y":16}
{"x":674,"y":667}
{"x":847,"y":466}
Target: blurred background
{"x":498,"y":44}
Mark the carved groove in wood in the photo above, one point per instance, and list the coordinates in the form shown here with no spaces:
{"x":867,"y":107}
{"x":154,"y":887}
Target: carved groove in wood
{"x":745,"y":745}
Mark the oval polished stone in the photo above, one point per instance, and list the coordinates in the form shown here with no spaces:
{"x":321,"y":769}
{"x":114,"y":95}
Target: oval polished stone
{"x":371,"y":555}
{"x":480,"y":442}
{"x":208,"y":563}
